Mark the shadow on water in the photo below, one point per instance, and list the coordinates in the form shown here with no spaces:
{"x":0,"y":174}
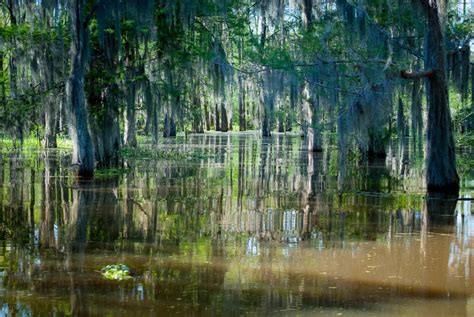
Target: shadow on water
{"x":255,"y":226}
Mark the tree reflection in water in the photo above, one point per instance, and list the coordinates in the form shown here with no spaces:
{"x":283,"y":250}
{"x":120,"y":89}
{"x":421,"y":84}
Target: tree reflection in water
{"x":260,"y":226}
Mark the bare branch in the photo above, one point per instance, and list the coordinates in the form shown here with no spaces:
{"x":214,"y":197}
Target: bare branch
{"x":425,"y":73}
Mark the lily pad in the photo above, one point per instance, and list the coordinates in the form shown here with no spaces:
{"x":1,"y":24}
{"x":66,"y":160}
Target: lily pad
{"x":117,"y":272}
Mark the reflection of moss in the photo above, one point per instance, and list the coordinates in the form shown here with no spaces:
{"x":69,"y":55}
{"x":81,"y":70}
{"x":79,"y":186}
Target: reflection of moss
{"x":116,"y":272}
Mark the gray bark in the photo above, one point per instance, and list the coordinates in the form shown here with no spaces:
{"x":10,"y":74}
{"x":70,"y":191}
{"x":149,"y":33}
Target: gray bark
{"x":217,"y":116}
{"x":83,"y":149}
{"x":472,"y":96}
{"x":416,"y":117}
{"x":242,"y":123}
{"x":130,"y":132}
{"x":441,"y":174}
{"x":50,"y":121}
{"x":224,"y":121}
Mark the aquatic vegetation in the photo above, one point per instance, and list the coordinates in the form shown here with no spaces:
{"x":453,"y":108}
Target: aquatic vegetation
{"x":117,"y":272}
{"x":164,"y":154}
{"x":110,"y":172}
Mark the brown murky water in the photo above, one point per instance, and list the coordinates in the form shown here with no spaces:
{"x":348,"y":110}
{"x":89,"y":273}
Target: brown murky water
{"x":250,"y":228}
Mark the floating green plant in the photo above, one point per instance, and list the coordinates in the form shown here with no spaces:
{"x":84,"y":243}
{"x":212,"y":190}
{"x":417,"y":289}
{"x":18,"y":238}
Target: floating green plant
{"x":117,"y":272}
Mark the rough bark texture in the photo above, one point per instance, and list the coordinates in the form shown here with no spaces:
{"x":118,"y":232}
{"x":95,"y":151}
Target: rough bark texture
{"x":441,"y":174}
{"x":83,"y":149}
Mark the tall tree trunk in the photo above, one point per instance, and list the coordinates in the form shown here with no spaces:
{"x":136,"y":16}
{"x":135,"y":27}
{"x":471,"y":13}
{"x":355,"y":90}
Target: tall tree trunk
{"x":154,"y":123}
{"x":416,"y":116}
{"x":293,"y":102}
{"x":13,"y":74}
{"x":149,"y":105}
{"x":130,"y":133}
{"x":207,"y":115}
{"x":312,"y":133}
{"x":242,"y":124}
{"x":107,"y":134}
{"x":198,"y":126}
{"x":166,"y":125}
{"x":2,"y":81}
{"x":224,"y":121}
{"x":217,"y":116}
{"x":83,"y":149}
{"x":50,"y":121}
{"x":441,"y":174}
{"x":472,"y":97}
{"x":266,"y":120}
{"x":465,"y":55}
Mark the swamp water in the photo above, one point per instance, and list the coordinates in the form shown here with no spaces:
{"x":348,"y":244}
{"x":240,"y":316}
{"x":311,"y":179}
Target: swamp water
{"x":243,"y":226}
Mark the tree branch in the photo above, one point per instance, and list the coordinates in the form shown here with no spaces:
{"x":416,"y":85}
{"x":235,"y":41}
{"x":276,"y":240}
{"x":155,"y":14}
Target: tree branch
{"x":425,"y":73}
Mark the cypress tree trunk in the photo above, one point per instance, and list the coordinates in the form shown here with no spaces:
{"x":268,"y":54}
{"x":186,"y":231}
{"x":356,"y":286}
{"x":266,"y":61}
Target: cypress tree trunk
{"x":166,"y":125}
{"x":416,"y":116}
{"x":207,"y":115}
{"x":242,"y":125}
{"x":154,"y":125}
{"x":130,"y":133}
{"x":83,"y":149}
{"x":465,"y":54}
{"x":224,"y":122}
{"x":266,"y":120}
{"x":172,"y":126}
{"x":13,"y":73}
{"x":217,"y":117}
{"x":149,"y":105}
{"x":2,"y":82}
{"x":197,"y":115}
{"x":400,"y":123}
{"x":107,"y":134}
{"x":154,"y":121}
{"x":315,"y":131}
{"x":50,"y":121}
{"x":441,"y":174}
{"x":312,"y":133}
{"x":293,"y":101}
{"x":472,"y":96}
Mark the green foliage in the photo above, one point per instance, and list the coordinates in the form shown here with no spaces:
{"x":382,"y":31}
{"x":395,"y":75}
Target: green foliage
{"x":464,"y":140}
{"x":142,"y":153}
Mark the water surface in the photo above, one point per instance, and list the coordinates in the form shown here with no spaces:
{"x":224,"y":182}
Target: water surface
{"x":245,"y":227}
